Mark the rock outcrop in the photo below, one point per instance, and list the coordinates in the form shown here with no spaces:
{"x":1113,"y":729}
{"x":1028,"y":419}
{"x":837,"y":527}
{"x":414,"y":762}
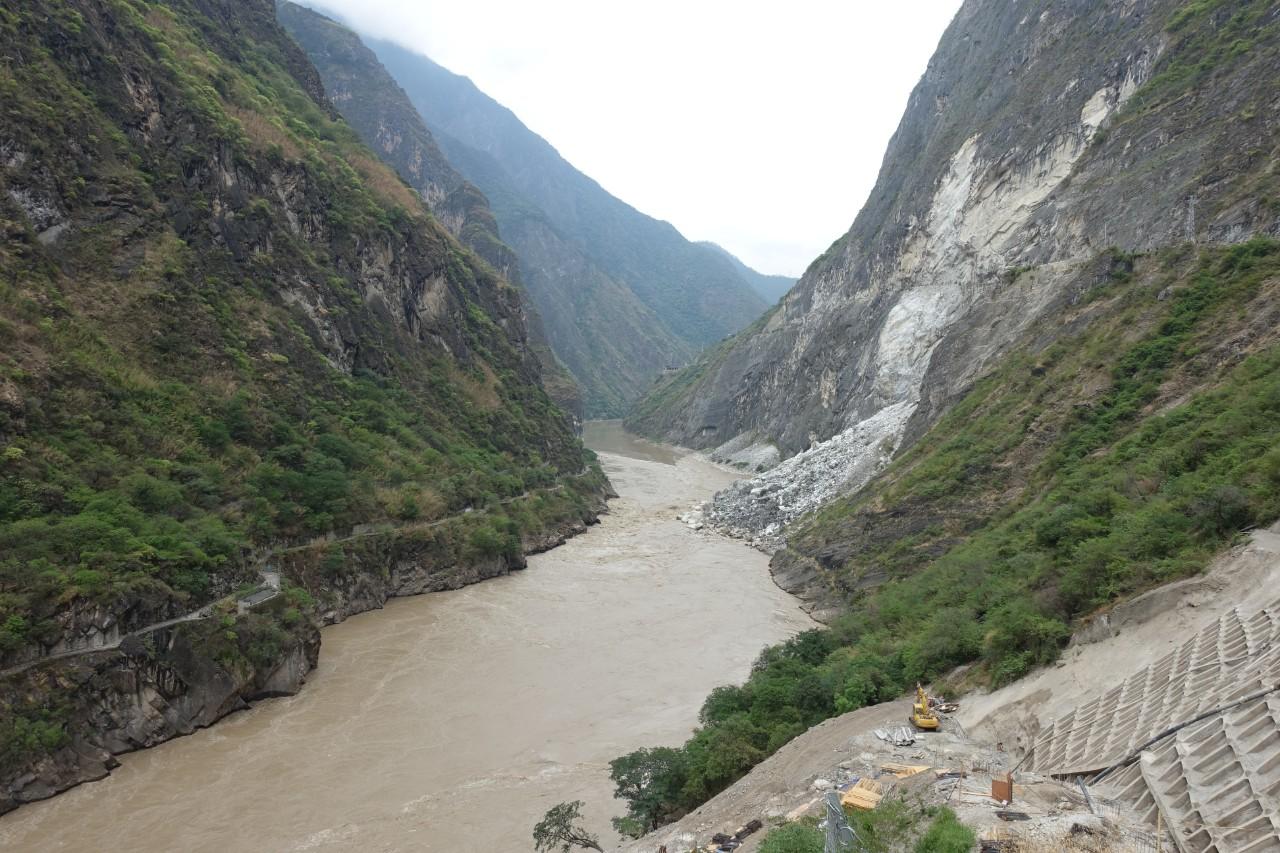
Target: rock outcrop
{"x":362,"y":572}
{"x":362,"y":91}
{"x":1038,"y":138}
{"x":142,"y":694}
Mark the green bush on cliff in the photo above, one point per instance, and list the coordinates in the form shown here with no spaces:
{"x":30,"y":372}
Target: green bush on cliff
{"x":27,"y":731}
{"x":492,"y":538}
{"x":1122,"y":495}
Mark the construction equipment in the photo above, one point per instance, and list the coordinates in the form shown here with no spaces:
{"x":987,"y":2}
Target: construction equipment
{"x":921,"y":715}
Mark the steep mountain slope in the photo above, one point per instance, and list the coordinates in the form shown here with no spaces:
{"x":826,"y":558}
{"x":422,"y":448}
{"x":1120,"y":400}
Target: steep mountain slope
{"x":1122,"y":443}
{"x":230,"y":340}
{"x":1042,"y":424}
{"x":1040,"y":135}
{"x":610,"y":341}
{"x":770,"y":287}
{"x":695,"y":291}
{"x":368,"y":98}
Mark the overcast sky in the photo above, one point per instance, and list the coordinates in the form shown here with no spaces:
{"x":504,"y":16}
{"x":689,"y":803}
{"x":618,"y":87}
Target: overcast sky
{"x":759,"y":125}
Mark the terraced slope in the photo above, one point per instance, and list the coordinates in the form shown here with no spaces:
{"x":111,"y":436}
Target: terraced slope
{"x":1219,"y":783}
{"x":1231,"y":658}
{"x":1192,"y":741}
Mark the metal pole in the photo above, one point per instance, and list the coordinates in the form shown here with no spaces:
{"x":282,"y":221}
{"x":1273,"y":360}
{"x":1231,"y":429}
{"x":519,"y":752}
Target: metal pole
{"x":1088,"y":799}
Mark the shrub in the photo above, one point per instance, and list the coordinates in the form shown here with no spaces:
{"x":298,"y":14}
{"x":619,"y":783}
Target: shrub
{"x":13,"y":633}
{"x":793,"y":838}
{"x":946,"y":835}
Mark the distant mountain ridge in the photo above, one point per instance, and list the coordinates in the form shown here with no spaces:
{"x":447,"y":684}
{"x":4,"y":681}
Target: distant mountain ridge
{"x":770,"y":287}
{"x":696,"y":291}
{"x":368,"y":98}
{"x":623,"y":295}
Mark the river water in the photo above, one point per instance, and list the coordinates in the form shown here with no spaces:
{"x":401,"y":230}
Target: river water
{"x":452,"y":721}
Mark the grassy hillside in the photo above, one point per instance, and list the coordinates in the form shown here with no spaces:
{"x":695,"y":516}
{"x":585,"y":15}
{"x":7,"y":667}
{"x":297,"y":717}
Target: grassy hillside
{"x":1120,"y":448}
{"x":226,"y":327}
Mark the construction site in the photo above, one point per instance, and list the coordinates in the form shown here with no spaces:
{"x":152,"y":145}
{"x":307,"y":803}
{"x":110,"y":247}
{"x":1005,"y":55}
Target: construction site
{"x":1158,"y":730}
{"x":1190,"y":743}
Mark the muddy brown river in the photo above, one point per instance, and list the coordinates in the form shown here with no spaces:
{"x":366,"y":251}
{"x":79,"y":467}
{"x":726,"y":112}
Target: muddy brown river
{"x":452,"y":721}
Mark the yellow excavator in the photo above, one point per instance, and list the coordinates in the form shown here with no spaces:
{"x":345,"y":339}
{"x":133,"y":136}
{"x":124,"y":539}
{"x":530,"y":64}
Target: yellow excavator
{"x":921,"y":715}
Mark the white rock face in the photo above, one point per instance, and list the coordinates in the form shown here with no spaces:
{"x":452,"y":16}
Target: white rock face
{"x":970,"y":234}
{"x":910,"y":332}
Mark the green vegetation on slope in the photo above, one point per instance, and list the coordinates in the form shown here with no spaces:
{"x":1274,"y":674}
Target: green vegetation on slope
{"x":1207,"y":37}
{"x":1121,"y":457}
{"x":623,"y":295}
{"x":170,"y":395}
{"x":894,"y":825}
{"x":770,"y":287}
{"x":694,"y":290}
{"x":378,"y":109}
{"x":645,"y":415}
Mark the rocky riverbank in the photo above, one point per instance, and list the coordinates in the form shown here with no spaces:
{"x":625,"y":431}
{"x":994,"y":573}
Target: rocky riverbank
{"x":75,"y":715}
{"x":403,"y":736}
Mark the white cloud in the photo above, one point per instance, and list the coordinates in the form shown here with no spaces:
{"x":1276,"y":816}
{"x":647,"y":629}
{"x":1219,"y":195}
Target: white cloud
{"x":759,"y":125}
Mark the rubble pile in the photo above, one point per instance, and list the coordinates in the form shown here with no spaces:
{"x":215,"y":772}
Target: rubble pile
{"x":759,"y":509}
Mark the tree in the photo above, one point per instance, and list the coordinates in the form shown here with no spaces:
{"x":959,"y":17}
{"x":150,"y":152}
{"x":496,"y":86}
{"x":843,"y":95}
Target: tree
{"x":559,"y":830}
{"x":649,"y":780}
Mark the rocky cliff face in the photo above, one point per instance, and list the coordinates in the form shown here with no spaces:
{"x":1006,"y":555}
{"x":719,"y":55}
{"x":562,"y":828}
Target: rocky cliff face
{"x":362,"y":572}
{"x":362,"y":91}
{"x":1040,"y":135}
{"x":148,"y":691}
{"x":227,"y":331}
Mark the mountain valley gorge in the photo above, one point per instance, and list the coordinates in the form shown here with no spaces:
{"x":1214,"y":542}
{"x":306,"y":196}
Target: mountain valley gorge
{"x":296,"y":321}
